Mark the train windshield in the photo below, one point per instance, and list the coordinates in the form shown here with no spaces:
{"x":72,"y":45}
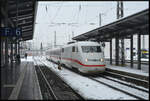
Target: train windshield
{"x":91,"y":49}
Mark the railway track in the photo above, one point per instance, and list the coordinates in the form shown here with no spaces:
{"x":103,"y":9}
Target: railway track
{"x":133,"y":91}
{"x":52,"y":87}
{"x":122,"y":86}
{"x":126,"y":83}
{"x":137,"y":81}
{"x":113,"y":82}
{"x":134,"y":62}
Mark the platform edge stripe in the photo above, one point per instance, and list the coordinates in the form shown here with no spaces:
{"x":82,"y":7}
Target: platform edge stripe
{"x":16,"y":90}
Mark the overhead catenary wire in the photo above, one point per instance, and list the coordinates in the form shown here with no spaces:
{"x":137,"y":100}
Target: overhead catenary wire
{"x":85,"y":23}
{"x":57,"y":12}
{"x":76,"y":24}
{"x":73,"y":24}
{"x":74,"y":16}
{"x":105,"y":13}
{"x":78,"y":13}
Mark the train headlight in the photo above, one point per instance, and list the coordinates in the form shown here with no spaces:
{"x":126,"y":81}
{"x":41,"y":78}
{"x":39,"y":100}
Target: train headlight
{"x":102,"y":60}
{"x":86,"y":60}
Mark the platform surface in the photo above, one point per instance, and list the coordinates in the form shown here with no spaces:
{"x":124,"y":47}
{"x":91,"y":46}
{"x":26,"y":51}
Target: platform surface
{"x":127,"y":69}
{"x":19,"y":81}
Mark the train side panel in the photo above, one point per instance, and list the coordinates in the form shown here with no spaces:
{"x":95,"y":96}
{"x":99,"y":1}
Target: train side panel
{"x":73,"y":56}
{"x":65,"y":55}
{"x":76,"y":56}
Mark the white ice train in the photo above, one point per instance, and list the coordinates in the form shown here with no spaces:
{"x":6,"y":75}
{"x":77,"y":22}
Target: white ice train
{"x":85,"y":56}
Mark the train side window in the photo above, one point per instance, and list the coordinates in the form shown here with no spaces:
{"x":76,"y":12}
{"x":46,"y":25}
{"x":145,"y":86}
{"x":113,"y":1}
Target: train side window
{"x":73,"y":49}
{"x":62,"y":49}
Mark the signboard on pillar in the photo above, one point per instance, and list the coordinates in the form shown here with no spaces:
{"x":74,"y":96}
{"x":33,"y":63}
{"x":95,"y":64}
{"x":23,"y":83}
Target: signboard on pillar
{"x":10,"y":32}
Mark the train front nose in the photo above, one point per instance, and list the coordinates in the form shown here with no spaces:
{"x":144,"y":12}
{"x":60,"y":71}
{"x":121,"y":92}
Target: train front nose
{"x":94,"y":69}
{"x":93,"y":63}
{"x":93,"y":59}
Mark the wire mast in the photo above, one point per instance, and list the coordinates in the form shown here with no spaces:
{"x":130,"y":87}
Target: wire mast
{"x":120,"y":14}
{"x":55,"y":39}
{"x":120,"y":9}
{"x":41,"y":49}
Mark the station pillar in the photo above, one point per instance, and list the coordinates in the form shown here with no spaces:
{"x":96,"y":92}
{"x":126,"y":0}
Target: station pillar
{"x":111,"y":51}
{"x":11,"y":53}
{"x":18,"y":47}
{"x":122,"y":52}
{"x":131,"y":51}
{"x":6,"y":39}
{"x":6,"y":52}
{"x":2,"y":52}
{"x":117,"y":51}
{"x":139,"y":50}
{"x":15,"y":49}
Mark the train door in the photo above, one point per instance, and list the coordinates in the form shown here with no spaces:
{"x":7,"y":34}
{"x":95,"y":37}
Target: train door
{"x":74,"y":56}
{"x":61,"y":55}
{"x":67,"y":56}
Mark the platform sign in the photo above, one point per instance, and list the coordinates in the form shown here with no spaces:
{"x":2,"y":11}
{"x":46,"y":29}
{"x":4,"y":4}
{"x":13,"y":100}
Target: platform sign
{"x":10,"y":32}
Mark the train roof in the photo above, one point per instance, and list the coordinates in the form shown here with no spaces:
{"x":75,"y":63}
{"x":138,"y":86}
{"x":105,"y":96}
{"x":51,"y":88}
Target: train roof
{"x":80,"y":43}
{"x":57,"y":48}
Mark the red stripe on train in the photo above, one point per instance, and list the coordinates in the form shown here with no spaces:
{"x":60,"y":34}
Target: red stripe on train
{"x":74,"y":60}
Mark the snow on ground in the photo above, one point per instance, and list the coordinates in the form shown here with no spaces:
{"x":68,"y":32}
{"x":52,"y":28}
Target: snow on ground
{"x":88,"y":88}
{"x":127,"y":69}
{"x":29,"y":58}
{"x":37,"y":62}
{"x":142,"y":94}
{"x":128,"y":83}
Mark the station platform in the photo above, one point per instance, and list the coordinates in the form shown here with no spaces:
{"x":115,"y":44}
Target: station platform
{"x":127,"y":70}
{"x":19,"y":81}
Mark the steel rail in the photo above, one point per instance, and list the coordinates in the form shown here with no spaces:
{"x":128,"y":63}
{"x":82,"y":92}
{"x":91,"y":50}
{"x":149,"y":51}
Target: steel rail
{"x":115,"y":88}
{"x":107,"y":77}
{"x":78,"y":95}
{"x":136,"y":81}
{"x":49,"y":86}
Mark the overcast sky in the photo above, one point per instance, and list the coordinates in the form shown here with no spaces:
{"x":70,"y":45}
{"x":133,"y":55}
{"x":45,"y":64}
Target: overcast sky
{"x":70,"y":19}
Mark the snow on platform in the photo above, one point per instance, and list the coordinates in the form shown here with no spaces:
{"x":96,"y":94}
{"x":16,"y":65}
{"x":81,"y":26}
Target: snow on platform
{"x":127,"y":69}
{"x":87,"y":88}
{"x":29,"y":58}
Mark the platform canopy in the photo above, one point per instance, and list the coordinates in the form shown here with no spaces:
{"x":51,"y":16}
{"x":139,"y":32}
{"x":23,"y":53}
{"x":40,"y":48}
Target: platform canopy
{"x":134,"y":24}
{"x":21,"y":13}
